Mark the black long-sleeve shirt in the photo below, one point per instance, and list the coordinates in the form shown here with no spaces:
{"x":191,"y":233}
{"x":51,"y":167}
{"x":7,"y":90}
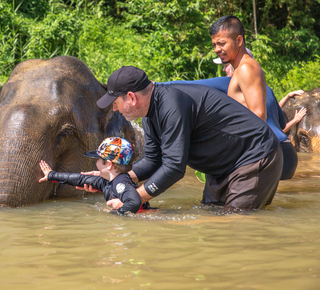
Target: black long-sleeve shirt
{"x":201,"y":127}
{"x":120,"y":187}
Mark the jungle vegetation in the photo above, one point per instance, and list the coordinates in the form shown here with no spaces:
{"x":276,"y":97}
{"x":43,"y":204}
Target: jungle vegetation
{"x":168,"y":39}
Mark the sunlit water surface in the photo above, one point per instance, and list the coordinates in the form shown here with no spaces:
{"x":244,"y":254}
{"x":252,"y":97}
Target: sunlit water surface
{"x":75,"y":244}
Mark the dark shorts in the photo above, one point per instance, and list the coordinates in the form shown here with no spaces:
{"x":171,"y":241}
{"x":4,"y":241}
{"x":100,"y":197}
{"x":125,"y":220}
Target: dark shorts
{"x":249,"y":187}
{"x":290,"y":160}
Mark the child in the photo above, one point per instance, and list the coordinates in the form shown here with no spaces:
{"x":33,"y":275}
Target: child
{"x":114,"y":155}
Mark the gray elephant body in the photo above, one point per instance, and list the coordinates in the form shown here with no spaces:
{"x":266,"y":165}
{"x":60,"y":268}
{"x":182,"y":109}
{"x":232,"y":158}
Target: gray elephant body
{"x":48,"y":111}
{"x":305,"y":136}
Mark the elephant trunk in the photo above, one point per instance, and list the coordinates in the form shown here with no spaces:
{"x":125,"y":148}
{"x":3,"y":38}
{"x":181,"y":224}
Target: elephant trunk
{"x":19,"y":170}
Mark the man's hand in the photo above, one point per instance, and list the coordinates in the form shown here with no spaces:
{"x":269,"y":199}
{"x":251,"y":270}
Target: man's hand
{"x":115,"y":203}
{"x":95,"y":173}
{"x":45,"y":169}
{"x":86,"y":187}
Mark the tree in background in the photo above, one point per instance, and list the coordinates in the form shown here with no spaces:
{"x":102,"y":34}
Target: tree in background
{"x":168,"y":39}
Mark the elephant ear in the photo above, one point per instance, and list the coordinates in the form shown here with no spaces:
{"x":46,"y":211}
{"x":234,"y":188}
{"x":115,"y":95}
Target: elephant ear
{"x":304,"y":141}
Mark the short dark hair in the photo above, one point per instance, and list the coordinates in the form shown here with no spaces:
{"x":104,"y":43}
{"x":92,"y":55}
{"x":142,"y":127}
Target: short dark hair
{"x":230,"y":23}
{"x":121,"y":169}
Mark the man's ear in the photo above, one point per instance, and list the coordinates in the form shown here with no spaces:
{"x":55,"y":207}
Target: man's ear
{"x":239,"y":40}
{"x":132,"y":98}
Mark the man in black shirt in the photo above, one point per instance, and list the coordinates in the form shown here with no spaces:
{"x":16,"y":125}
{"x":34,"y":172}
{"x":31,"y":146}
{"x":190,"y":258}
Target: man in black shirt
{"x":203,"y":128}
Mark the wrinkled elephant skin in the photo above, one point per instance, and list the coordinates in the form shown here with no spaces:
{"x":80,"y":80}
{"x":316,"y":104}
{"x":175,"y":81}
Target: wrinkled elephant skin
{"x":48,"y":111}
{"x":305,"y":136}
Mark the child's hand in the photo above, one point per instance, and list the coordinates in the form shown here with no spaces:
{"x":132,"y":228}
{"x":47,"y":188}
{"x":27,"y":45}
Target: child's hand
{"x":115,"y":203}
{"x":45,"y":169}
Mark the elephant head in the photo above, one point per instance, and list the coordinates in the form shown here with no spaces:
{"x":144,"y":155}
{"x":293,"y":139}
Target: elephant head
{"x":48,"y":111}
{"x":305,"y":135}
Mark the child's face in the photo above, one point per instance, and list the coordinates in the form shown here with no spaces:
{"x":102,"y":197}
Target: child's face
{"x":103,"y":168}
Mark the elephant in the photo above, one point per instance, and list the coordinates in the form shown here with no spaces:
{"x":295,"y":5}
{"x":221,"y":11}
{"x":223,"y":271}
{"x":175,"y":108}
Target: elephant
{"x":48,"y":111}
{"x":305,"y":136}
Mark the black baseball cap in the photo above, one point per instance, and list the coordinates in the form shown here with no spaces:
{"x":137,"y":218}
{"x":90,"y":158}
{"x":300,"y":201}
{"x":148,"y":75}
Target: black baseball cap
{"x":123,"y":80}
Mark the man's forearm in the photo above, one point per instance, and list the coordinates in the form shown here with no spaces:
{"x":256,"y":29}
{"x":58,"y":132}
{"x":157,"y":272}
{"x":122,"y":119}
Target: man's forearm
{"x":143,"y":194}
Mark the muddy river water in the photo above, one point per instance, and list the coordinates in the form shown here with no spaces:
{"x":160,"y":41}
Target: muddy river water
{"x":75,"y":244}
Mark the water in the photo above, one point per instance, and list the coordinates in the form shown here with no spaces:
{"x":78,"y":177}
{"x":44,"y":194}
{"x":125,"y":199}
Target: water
{"x":75,"y":244}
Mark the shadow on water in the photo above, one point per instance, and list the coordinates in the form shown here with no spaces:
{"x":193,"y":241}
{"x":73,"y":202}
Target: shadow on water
{"x":76,"y":244}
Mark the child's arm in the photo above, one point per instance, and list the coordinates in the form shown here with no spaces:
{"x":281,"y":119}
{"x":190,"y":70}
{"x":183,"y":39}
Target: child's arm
{"x":75,"y":179}
{"x":131,"y":200}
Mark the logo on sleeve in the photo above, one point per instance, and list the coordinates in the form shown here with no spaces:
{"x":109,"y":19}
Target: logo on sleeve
{"x":120,"y":188}
{"x":153,"y":188}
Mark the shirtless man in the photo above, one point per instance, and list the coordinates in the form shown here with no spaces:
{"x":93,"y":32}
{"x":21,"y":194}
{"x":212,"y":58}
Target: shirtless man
{"x":248,"y":83}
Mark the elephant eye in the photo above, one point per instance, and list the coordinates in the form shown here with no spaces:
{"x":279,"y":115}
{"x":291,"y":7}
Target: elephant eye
{"x":305,"y":140}
{"x":67,"y":130}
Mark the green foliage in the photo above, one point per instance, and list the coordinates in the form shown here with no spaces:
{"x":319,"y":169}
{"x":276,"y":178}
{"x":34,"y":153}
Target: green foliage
{"x":30,"y":8}
{"x":168,"y":39}
{"x":165,"y":54}
{"x":261,"y":48}
{"x":304,"y":76}
{"x":3,"y":79}
{"x":12,"y":37}
{"x":106,"y":52}
{"x":300,"y":43}
{"x":182,"y":42}
{"x":57,"y":34}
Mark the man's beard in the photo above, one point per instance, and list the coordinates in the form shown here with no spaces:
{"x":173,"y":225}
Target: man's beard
{"x":130,"y":113}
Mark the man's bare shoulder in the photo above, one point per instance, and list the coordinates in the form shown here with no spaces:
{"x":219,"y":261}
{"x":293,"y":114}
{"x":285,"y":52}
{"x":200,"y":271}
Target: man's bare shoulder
{"x":248,"y":86}
{"x":249,"y":66}
{"x":249,"y":71}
